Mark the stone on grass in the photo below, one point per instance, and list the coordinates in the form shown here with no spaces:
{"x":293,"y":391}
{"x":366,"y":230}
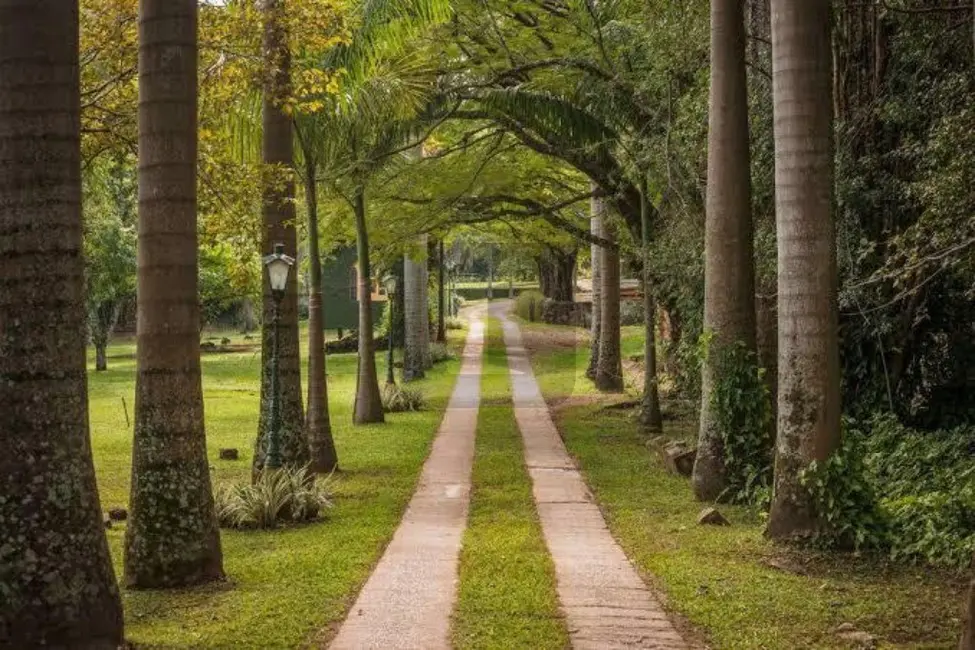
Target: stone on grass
{"x":848,"y":632}
{"x":118,"y":514}
{"x":711,"y":517}
{"x":229,"y":454}
{"x":679,"y":458}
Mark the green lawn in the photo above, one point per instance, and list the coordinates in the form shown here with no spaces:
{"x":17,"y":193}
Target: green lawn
{"x":286,"y":586}
{"x":507,"y":596}
{"x":723,"y":579}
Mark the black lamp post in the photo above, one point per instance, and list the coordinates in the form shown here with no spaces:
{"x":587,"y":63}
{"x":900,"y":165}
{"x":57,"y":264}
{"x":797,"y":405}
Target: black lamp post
{"x":278,"y":267}
{"x":391,"y":298}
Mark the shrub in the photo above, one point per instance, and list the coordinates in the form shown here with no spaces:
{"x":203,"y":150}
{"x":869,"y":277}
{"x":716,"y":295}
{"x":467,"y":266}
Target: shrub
{"x":401,"y":399}
{"x":439,"y":353}
{"x":632,"y":312}
{"x":528,"y":305}
{"x":454,"y":324}
{"x":927,"y":479}
{"x":281,"y":497}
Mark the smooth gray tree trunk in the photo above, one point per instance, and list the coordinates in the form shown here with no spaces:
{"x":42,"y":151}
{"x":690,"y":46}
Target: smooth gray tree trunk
{"x":596,"y":229}
{"x":809,"y":371}
{"x":609,"y":367}
{"x":729,"y":276}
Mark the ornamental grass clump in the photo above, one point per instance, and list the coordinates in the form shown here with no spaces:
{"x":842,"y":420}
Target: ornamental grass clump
{"x":277,"y":498}
{"x":402,"y":399}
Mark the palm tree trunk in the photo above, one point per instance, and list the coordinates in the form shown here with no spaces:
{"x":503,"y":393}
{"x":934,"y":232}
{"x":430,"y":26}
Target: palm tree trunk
{"x":368,"y":400}
{"x":279,"y":227}
{"x":425,"y":303}
{"x":414,"y":366}
{"x":172,"y":538}
{"x":321,"y":445}
{"x":441,"y":297}
{"x":596,"y":252}
{"x":809,"y":379}
{"x":729,"y":278}
{"x":609,"y":367}
{"x":51,"y":546}
{"x":650,"y":416}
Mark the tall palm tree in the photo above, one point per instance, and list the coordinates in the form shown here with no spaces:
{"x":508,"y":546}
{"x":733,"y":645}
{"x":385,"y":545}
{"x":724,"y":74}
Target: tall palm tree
{"x":809,"y":379}
{"x":650,"y":415}
{"x":368,"y":407}
{"x":729,"y":278}
{"x":280,"y":227}
{"x":596,"y":253}
{"x":321,"y":445}
{"x":414,"y":357}
{"x":609,"y":366}
{"x":172,"y":537}
{"x":48,"y":546}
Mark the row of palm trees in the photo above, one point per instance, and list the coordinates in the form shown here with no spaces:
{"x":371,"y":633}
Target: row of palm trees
{"x":58,"y":584}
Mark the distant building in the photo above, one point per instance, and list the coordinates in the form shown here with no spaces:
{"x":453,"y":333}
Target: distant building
{"x":340,"y":289}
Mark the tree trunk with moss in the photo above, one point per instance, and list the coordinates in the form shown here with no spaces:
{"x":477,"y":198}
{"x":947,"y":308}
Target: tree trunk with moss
{"x":368,"y":406}
{"x":596,"y":253}
{"x":171,"y":539}
{"x":414,"y":365}
{"x":321,"y":445}
{"x":729,"y":277}
{"x":58,"y":585}
{"x":609,"y":367}
{"x":280,"y":228}
{"x":809,"y":375}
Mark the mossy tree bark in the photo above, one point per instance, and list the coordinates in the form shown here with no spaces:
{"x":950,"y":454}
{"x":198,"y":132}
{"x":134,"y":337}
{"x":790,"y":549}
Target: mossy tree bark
{"x":172,"y":538}
{"x":414,"y":362}
{"x":321,"y":445}
{"x":59,"y":588}
{"x":809,"y":376}
{"x":280,"y":228}
{"x":609,"y":367}
{"x":368,"y":407}
{"x":729,"y":278}
{"x":596,"y":252}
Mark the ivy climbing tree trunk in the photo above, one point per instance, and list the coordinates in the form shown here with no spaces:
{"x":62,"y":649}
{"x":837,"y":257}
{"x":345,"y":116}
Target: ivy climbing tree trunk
{"x":171,"y":539}
{"x":414,"y":365}
{"x":58,"y":585}
{"x":321,"y":445}
{"x":596,"y":253}
{"x":729,"y":276}
{"x":278,"y":207}
{"x":609,"y":367}
{"x":368,"y":400}
{"x":809,"y":377}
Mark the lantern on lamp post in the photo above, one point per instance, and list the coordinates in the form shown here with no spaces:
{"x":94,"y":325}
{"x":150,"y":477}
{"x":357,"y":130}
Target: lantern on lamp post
{"x":391,"y":301}
{"x":278,"y":267}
